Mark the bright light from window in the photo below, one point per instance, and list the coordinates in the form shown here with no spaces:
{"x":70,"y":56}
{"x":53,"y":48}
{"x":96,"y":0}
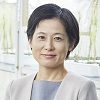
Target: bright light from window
{"x":11,"y":1}
{"x":8,"y":1}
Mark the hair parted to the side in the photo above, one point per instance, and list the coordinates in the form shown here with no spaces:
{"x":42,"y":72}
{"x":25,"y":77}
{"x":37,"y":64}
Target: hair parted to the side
{"x":49,"y":11}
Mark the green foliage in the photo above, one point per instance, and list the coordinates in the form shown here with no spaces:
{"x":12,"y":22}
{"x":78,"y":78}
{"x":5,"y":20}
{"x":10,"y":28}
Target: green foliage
{"x":93,"y":29}
{"x":6,"y":28}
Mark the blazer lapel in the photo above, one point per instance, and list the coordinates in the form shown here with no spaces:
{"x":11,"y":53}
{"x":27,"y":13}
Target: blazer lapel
{"x":27,"y":88}
{"x":60,"y":95}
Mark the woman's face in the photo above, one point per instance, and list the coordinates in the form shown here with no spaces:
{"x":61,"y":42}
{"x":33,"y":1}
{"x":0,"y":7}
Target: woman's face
{"x":50,"y":43}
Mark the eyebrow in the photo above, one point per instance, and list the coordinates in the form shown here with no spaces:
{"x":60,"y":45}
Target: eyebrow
{"x":41,"y":33}
{"x":54,"y":33}
{"x":59,"y":34}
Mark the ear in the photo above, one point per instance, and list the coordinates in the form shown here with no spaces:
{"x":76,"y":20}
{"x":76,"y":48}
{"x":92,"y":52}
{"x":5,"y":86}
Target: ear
{"x":30,"y":43}
{"x":71,"y":47}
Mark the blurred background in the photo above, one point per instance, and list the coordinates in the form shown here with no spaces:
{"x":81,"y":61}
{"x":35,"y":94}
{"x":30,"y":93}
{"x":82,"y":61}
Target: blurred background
{"x":16,"y":58}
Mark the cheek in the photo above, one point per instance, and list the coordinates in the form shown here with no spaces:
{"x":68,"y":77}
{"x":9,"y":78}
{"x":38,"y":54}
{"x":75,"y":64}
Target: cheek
{"x":63,"y":49}
{"x":36,"y":47}
{"x":36,"y":44}
{"x":35,"y":51}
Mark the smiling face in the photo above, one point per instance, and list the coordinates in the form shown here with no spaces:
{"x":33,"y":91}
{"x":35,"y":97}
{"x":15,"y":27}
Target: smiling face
{"x":50,"y":43}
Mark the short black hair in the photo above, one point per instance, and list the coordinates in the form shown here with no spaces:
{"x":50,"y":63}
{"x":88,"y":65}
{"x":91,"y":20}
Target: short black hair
{"x":49,"y":11}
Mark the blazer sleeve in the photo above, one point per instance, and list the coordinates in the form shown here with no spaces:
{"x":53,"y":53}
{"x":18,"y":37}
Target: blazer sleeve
{"x":8,"y":91}
{"x":88,"y":91}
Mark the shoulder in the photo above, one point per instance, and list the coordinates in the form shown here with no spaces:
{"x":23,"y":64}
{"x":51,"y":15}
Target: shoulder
{"x":22,"y":81}
{"x":77,"y":78}
{"x":25,"y":79}
{"x":86,"y":88}
{"x":19,"y":84}
{"x":83,"y":87}
{"x":78,"y":81}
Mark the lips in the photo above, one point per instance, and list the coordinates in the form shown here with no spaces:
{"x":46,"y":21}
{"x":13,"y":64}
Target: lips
{"x":49,"y":55}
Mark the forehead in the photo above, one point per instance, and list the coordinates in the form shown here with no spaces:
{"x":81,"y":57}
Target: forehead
{"x":54,"y":20}
{"x":51,"y":25}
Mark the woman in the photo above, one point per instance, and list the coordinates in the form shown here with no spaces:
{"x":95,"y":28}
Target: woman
{"x":53,"y":33}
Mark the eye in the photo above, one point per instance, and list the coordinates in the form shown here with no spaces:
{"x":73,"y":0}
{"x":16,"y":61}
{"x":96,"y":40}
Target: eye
{"x":41,"y":37}
{"x":58,"y":38}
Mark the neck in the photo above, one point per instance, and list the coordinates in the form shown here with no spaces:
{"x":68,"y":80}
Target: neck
{"x":51,"y":74}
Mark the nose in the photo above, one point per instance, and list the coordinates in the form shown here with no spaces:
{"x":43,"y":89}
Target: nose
{"x":49,"y":46}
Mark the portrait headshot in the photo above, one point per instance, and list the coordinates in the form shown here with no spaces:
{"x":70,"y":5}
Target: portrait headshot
{"x":53,"y":33}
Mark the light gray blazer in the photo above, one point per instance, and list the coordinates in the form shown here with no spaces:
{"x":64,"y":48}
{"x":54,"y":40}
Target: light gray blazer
{"x":73,"y":87}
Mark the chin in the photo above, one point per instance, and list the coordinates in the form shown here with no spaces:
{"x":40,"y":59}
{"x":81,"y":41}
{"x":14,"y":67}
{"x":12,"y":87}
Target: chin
{"x":48,"y":65}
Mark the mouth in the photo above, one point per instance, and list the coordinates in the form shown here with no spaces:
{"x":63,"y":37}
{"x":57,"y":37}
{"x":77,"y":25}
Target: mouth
{"x":48,"y":55}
